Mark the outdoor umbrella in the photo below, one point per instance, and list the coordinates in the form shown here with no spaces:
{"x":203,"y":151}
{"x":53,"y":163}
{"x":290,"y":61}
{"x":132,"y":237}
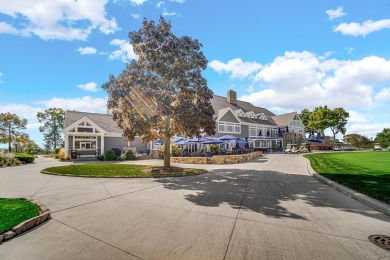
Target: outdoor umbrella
{"x":198,"y":140}
{"x":214,"y":141}
{"x":159,"y":141}
{"x":314,"y":139}
{"x":228,"y":137}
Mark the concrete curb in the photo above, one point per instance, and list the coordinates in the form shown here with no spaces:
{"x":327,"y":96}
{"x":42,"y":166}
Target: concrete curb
{"x":29,"y":223}
{"x":373,"y":203}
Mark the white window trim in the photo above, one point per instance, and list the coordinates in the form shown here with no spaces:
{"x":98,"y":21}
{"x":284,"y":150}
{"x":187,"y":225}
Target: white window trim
{"x":225,"y":124}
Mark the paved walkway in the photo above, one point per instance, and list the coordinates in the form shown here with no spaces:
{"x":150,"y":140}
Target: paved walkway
{"x":269,"y":208}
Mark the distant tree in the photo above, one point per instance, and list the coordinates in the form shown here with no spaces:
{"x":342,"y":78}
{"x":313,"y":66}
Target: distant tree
{"x":305,"y":118}
{"x":337,"y":119}
{"x":163,"y":93}
{"x":319,"y":119}
{"x":357,"y":140}
{"x":20,"y":140}
{"x":31,"y":147}
{"x":383,"y":137}
{"x":9,"y":126}
{"x":53,"y":119}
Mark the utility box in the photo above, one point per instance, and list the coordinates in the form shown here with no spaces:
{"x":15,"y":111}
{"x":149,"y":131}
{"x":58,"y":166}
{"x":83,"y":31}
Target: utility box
{"x":73,"y":154}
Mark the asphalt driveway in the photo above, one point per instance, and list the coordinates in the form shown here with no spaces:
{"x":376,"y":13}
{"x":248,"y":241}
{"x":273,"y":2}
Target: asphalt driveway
{"x":269,"y":208}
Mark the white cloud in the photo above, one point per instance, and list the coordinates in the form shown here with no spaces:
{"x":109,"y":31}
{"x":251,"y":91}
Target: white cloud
{"x":367,"y":27}
{"x":90,"y":86}
{"x":8,"y":29}
{"x":159,"y":4}
{"x":86,"y":50}
{"x":138,"y":2}
{"x":85,"y":104}
{"x":1,"y":75}
{"x":22,"y":110}
{"x":237,"y":67}
{"x":178,"y":1}
{"x":63,"y":20}
{"x":135,"y":16}
{"x":250,"y":89}
{"x":383,"y":95}
{"x":125,"y":52}
{"x":166,"y":13}
{"x":356,"y":118}
{"x":350,"y":50}
{"x":369,"y":130}
{"x":299,"y":80}
{"x":337,"y":13}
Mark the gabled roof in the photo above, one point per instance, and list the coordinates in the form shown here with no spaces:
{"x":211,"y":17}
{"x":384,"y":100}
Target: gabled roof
{"x":285,"y":119}
{"x":104,"y":121}
{"x":219,"y":103}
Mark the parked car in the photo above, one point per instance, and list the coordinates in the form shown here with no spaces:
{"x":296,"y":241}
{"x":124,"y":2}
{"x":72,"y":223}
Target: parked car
{"x":292,"y":148}
{"x":377,"y":147}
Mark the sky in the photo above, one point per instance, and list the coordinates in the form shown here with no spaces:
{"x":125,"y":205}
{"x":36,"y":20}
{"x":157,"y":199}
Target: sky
{"x":284,"y":55}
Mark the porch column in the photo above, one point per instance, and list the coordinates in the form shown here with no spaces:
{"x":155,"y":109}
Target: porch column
{"x":66,"y":145}
{"x":102,"y":144}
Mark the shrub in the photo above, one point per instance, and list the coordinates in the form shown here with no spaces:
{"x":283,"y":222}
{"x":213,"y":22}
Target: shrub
{"x":110,"y":155}
{"x":57,"y":150}
{"x":2,"y":162}
{"x":101,"y":157}
{"x":62,"y":153}
{"x":130,"y":155}
{"x":63,"y":158}
{"x":214,"y":147}
{"x":25,"y":157}
{"x":57,"y":156}
{"x":16,"y":161}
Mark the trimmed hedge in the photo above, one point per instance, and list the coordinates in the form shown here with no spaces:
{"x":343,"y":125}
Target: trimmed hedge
{"x":130,"y":155}
{"x":25,"y":157}
{"x":110,"y":155}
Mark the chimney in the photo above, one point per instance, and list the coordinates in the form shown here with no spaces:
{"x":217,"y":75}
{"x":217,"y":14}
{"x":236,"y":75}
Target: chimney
{"x":232,"y":97}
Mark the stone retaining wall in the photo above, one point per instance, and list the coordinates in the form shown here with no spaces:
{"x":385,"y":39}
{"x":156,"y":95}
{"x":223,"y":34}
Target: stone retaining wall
{"x":192,"y":160}
{"x":239,"y":158}
{"x":218,"y":159}
{"x":44,"y":215}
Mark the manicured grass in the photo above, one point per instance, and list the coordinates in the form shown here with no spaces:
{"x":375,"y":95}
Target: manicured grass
{"x":119,"y":170}
{"x":365,"y":172}
{"x":15,"y":211}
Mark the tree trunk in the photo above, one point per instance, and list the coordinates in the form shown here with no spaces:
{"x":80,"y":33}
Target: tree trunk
{"x":167,"y":151}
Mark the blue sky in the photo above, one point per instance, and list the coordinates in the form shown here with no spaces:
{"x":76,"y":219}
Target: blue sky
{"x":283,"y":55}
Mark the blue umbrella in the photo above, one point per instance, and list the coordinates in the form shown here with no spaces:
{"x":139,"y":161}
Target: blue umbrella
{"x":228,"y":137}
{"x":159,"y":141}
{"x":213,"y":141}
{"x":198,"y":139}
{"x":314,"y":139}
{"x":181,"y":141}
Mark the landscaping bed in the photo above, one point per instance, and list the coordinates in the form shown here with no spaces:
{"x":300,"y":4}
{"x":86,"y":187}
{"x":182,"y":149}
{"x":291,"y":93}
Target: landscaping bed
{"x":15,"y":211}
{"x":365,"y":172}
{"x":121,"y":170}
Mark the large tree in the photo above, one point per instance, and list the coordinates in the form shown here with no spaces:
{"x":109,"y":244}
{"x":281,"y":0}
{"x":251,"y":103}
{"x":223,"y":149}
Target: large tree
{"x":383,"y":137}
{"x":20,"y":140}
{"x":337,"y":119}
{"x":162,"y":93}
{"x":305,"y":118}
{"x":319,"y":119}
{"x":9,"y":126}
{"x":53,"y":119}
{"x":357,"y":140}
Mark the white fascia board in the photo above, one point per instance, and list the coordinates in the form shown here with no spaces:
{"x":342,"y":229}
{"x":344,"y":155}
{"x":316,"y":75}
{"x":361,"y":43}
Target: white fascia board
{"x":234,"y":114}
{"x":76,"y":124}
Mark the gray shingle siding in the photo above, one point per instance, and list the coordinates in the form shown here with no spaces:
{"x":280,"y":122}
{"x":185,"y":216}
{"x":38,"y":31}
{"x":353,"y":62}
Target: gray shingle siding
{"x":229,"y":117}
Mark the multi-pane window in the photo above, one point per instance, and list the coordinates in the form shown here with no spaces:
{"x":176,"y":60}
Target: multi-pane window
{"x":226,"y":127}
{"x":84,"y":142}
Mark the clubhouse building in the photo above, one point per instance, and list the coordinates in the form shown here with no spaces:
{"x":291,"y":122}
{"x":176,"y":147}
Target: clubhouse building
{"x":92,"y":134}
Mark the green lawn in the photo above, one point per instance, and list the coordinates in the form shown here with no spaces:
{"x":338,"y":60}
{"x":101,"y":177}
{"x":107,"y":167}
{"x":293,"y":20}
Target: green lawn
{"x":15,"y":211}
{"x":366,"y":172}
{"x":119,"y":170}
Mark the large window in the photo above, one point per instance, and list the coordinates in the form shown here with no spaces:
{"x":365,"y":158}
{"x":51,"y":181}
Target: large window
{"x":84,"y":142}
{"x":231,"y":128}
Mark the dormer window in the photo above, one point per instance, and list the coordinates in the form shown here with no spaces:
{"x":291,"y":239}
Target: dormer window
{"x":240,"y":113}
{"x":262,"y":116}
{"x":251,"y":114}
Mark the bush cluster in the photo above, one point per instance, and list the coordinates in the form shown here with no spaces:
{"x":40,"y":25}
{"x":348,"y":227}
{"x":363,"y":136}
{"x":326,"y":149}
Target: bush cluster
{"x":110,"y":155}
{"x":25,"y":157}
{"x":129,"y":155}
{"x":9,"y":159}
